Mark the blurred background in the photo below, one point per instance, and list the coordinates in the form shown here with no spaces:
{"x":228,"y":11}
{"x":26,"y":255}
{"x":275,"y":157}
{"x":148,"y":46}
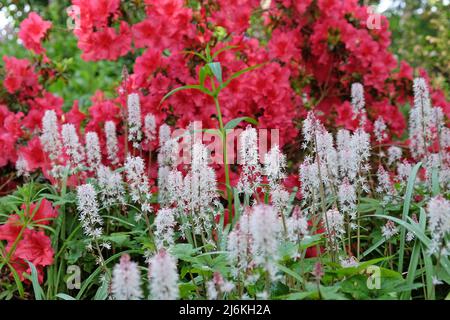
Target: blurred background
{"x":420,"y":35}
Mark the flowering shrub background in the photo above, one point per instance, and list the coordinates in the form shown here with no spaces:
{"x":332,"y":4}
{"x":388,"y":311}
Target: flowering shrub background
{"x":293,"y":66}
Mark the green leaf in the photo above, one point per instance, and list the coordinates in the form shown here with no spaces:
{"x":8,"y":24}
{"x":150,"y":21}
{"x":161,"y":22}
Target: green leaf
{"x":413,"y":263}
{"x":38,"y":292}
{"x":187,"y":87}
{"x":204,"y":71}
{"x":435,"y":188}
{"x":235,"y":122}
{"x":238,"y":74}
{"x":222,"y":50}
{"x":216,"y":69}
{"x":289,"y":272}
{"x":406,"y":206}
{"x":429,"y":272}
{"x":102,"y":291}
{"x":374,"y":247}
{"x":64,"y":296}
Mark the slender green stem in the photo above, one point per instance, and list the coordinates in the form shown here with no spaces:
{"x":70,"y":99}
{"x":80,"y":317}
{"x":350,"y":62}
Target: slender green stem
{"x":225,"y":155}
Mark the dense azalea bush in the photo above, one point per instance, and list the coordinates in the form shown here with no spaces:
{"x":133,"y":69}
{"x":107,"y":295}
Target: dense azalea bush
{"x":346,"y":187}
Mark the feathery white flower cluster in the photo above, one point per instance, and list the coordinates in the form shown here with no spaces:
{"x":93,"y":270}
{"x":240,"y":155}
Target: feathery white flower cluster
{"x":165,"y":223}
{"x":22,"y":167}
{"x":50,"y":137}
{"x":439,"y":224}
{"x":385,"y":186}
{"x":218,"y":286}
{"x":275,"y":166}
{"x":72,"y":146}
{"x":149,"y":128}
{"x":112,"y":145}
{"x":394,"y":154}
{"x":93,"y":153}
{"x":239,"y":245}
{"x":275,"y":170}
{"x":250,"y":177}
{"x":403,"y":172}
{"x":139,"y":188}
{"x":426,"y":128}
{"x":126,"y":280}
{"x":347,"y":199}
{"x":389,"y":230}
{"x":319,"y":169}
{"x":358,"y":103}
{"x":87,"y":205}
{"x":334,"y":225}
{"x":167,"y":160}
{"x":134,"y":120}
{"x":336,"y":171}
{"x":265,"y":227}
{"x":297,"y":226}
{"x":419,"y":119}
{"x":111,"y":186}
{"x":379,"y":130}
{"x":163,"y":277}
{"x":200,"y":188}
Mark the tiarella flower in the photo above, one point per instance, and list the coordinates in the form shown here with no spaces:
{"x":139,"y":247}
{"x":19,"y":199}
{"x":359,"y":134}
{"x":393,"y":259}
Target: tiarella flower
{"x":72,"y":146}
{"x":139,"y":188}
{"x":360,"y":144}
{"x":265,"y":228}
{"x":403,"y":172}
{"x":200,"y":190}
{"x":134,"y":120}
{"x":93,"y":153}
{"x":348,"y":262}
{"x":22,"y":167}
{"x":250,"y":177}
{"x":379,"y":130}
{"x":353,"y":156}
{"x":297,"y":226}
{"x":149,"y":128}
{"x":385,"y":185}
{"x":87,"y":205}
{"x":347,"y":199}
{"x":334,"y":225}
{"x":419,"y":119}
{"x":169,"y":149}
{"x":163,"y":185}
{"x":164,"y":134}
{"x":358,"y":103}
{"x":239,"y":245}
{"x":218,"y":286}
{"x":438,"y":160}
{"x":389,"y":230}
{"x":50,"y":138}
{"x":111,"y":186}
{"x":175,"y":189}
{"x":163,"y":277}
{"x":309,"y":129}
{"x":394,"y":154}
{"x":438,"y":224}
{"x":165,"y":223}
{"x":310,"y":181}
{"x":280,"y":198}
{"x":347,"y":167}
{"x":275,"y":166}
{"x":112,"y":147}
{"x":126,"y":280}
{"x":409,"y":236}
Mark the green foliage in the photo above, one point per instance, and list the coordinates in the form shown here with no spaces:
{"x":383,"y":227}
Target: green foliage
{"x":421,"y":36}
